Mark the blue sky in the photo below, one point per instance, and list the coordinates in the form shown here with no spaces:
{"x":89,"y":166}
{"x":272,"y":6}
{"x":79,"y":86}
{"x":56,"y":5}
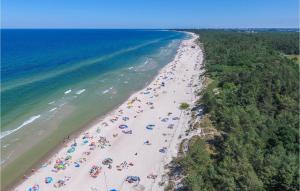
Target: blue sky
{"x":149,"y":13}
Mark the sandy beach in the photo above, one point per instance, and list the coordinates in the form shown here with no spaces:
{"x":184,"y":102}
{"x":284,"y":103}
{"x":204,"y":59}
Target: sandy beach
{"x":128,"y":148}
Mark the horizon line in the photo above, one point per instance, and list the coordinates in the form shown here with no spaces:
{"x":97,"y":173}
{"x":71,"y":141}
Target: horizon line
{"x":180,"y":28}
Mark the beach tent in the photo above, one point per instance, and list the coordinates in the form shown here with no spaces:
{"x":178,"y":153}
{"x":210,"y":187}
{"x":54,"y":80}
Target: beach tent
{"x":127,"y":131}
{"x":175,"y":118}
{"x":147,"y":142}
{"x":94,"y":171}
{"x":48,"y":180}
{"x":152,"y":176}
{"x":131,"y":179}
{"x":165,"y":119}
{"x":163,"y":150}
{"x":150,"y":126}
{"x":59,"y":183}
{"x":107,"y":161}
{"x":35,"y":187}
{"x":125,"y":118}
{"x":123,"y":126}
{"x":72,"y":149}
{"x":86,"y":136}
{"x":170,"y":126}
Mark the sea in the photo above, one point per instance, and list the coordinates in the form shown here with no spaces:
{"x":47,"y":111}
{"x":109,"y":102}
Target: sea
{"x":57,"y":81}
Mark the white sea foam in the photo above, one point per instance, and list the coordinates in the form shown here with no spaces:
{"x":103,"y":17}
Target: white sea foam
{"x":80,"y":91}
{"x":6,"y":145}
{"x":30,"y":120}
{"x":130,"y":68}
{"x":107,"y":90}
{"x":149,"y":64}
{"x":52,"y":102}
{"x":53,"y":109}
{"x":68,"y":91}
{"x":147,"y":61}
{"x":62,"y":104}
{"x":2,"y":161}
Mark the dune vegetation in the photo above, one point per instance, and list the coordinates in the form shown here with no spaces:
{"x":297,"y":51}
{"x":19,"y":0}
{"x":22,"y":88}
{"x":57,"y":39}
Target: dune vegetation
{"x":253,"y":102}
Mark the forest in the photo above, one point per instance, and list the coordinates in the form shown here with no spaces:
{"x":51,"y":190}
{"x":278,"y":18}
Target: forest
{"x":253,"y":102}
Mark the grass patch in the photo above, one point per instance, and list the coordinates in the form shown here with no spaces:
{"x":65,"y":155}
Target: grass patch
{"x":184,"y":106}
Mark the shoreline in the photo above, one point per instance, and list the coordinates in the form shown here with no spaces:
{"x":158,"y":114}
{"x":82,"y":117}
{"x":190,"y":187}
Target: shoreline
{"x":92,"y":125}
{"x":61,"y":144}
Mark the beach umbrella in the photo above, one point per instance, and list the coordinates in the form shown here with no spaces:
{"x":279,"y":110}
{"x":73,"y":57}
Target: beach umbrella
{"x":123,"y":126}
{"x":77,"y":164}
{"x":113,"y":190}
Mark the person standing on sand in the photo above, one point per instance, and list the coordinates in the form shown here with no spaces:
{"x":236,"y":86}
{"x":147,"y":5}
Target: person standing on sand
{"x":98,"y":130}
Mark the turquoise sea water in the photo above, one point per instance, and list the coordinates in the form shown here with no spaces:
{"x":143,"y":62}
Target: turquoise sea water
{"x":55,"y":81}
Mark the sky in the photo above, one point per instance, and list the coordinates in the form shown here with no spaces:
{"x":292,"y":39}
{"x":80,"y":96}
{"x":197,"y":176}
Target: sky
{"x":149,"y":14}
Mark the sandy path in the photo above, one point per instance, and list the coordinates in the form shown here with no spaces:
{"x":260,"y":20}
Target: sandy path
{"x":178,"y":77}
